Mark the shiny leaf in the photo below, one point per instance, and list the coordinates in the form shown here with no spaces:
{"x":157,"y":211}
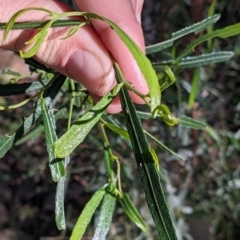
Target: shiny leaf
{"x":105,"y":217}
{"x":56,"y":165}
{"x":191,"y":123}
{"x":147,"y":167}
{"x":80,"y":129}
{"x":132,"y":212}
{"x":86,"y":215}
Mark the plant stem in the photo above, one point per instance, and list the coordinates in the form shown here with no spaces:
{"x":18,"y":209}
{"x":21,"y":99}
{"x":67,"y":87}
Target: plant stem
{"x":130,"y":87}
{"x":34,"y":25}
{"x":107,"y":145}
{"x":71,"y":102}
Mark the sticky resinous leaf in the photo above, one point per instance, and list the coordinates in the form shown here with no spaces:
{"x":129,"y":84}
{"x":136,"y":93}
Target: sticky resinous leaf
{"x":147,"y":167}
{"x":105,"y":217}
{"x":80,"y":129}
{"x":56,"y":165}
{"x":132,"y":212}
{"x":86,"y":215}
{"x":18,"y":14}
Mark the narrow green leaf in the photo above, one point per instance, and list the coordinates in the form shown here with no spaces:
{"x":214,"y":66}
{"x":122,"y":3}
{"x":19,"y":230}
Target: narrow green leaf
{"x":15,"y":17}
{"x":73,"y":30}
{"x":155,"y":158}
{"x":56,"y":165}
{"x":147,"y":167}
{"x":80,"y":129}
{"x":163,"y":146}
{"x":132,"y":212}
{"x":158,"y":47}
{"x":142,"y":61}
{"x":86,"y":215}
{"x":191,"y":123}
{"x":117,"y":130}
{"x":205,"y":59}
{"x":144,"y":115}
{"x":125,"y":134}
{"x":12,"y":73}
{"x":32,"y":135}
{"x":105,"y":217}
{"x":6,"y":142}
{"x":198,"y":61}
{"x":194,"y":88}
{"x":195,"y":28}
{"x":211,"y":11}
{"x":107,"y":160}
{"x":59,"y":204}
{"x":214,"y":134}
{"x":37,"y":41}
{"x":40,"y":24}
{"x":226,"y":32}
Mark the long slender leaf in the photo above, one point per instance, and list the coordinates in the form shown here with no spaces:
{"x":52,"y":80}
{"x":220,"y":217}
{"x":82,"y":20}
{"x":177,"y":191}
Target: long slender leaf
{"x":37,"y":25}
{"x":86,"y":215}
{"x":15,"y":17}
{"x":191,"y":123}
{"x":80,"y":129}
{"x":125,"y":134}
{"x":195,"y":28}
{"x":59,"y":204}
{"x":146,"y":167}
{"x":105,"y":217}
{"x":132,"y":212}
{"x":117,"y":130}
{"x":205,"y":59}
{"x":194,"y":88}
{"x":211,"y":11}
{"x":56,"y":165}
{"x":163,"y":146}
{"x":226,"y":32}
{"x":197,"y":61}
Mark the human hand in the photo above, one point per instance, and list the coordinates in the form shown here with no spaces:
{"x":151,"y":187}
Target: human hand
{"x":85,"y":56}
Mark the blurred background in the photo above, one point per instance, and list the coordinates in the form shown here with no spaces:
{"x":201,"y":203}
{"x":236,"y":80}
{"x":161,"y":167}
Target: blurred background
{"x":202,"y":191}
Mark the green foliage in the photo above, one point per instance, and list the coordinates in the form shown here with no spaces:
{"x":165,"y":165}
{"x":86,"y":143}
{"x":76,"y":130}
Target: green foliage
{"x":60,"y":150}
{"x":132,"y":212}
{"x":86,"y":215}
{"x":105,"y":217}
{"x":80,"y":129}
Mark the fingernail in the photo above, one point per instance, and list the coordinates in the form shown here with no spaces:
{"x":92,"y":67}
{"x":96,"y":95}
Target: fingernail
{"x":85,"y":67}
{"x":139,"y":17}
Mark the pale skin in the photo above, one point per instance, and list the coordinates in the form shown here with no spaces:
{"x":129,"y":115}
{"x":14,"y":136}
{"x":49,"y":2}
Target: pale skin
{"x":85,"y":57}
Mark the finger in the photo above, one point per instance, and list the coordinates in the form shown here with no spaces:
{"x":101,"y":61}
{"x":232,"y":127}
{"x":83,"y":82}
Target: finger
{"x":82,"y":57}
{"x":123,"y":14}
{"x":137,"y":6}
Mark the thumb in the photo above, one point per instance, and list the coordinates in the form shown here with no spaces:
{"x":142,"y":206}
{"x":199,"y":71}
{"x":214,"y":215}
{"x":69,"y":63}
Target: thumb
{"x":82,"y":57}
